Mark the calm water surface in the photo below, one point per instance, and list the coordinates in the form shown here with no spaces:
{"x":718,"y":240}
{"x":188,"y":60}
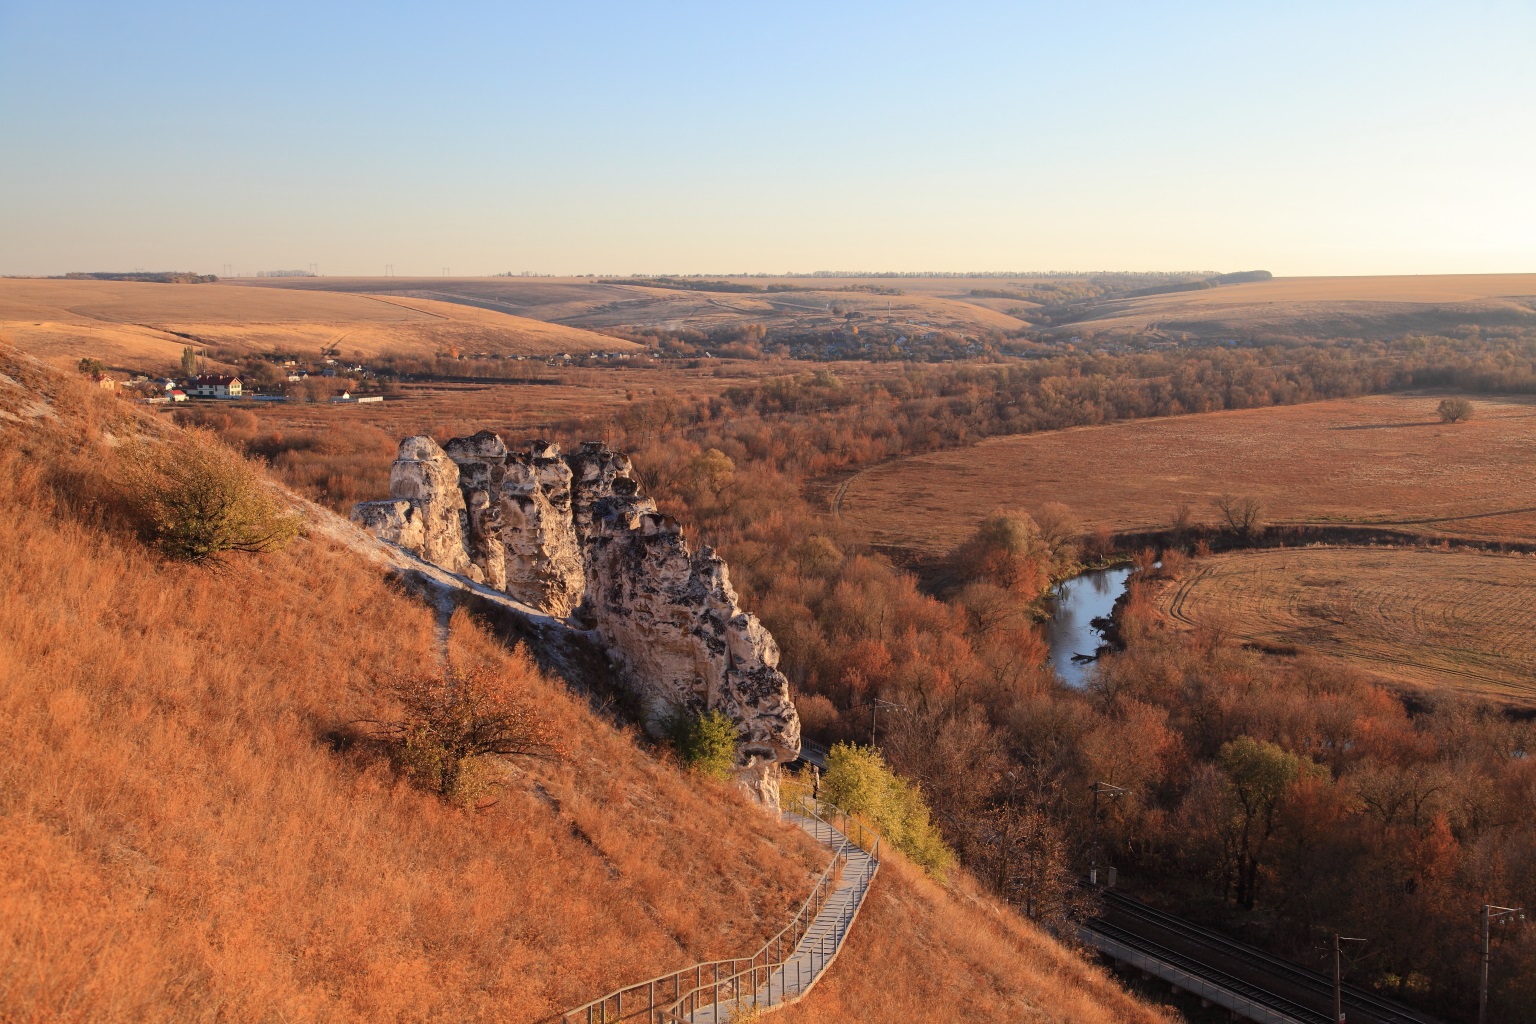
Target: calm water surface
{"x":1079,"y":601}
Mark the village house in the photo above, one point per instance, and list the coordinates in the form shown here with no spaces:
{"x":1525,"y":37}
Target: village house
{"x":215,"y":385}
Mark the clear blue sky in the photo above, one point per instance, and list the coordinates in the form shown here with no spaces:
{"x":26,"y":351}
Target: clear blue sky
{"x":1300,"y":137}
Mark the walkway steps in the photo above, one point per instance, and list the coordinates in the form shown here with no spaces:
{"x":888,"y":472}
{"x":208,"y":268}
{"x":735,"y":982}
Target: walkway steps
{"x":816,"y":950}
{"x":781,"y":971}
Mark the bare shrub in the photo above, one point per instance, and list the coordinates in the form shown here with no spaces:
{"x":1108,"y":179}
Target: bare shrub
{"x":1175,"y":562}
{"x":1454,"y":410}
{"x":457,"y":728}
{"x":1242,"y":513}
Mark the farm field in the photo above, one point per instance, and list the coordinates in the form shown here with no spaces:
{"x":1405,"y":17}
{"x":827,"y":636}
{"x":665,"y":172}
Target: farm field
{"x":1423,"y":617}
{"x":1381,"y":460}
{"x":1321,"y":307}
{"x":933,"y":303}
{"x":133,"y":325}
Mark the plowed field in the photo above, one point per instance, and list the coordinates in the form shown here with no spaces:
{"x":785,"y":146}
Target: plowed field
{"x":1422,"y":617}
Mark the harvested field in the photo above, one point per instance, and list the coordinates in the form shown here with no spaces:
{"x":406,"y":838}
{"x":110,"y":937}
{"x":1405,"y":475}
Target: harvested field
{"x":1384,"y":460}
{"x":933,"y":303}
{"x":1322,"y":306}
{"x":1422,"y":617}
{"x":132,"y":325}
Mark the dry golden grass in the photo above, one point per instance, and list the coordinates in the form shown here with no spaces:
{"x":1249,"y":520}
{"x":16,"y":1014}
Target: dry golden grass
{"x":1378,"y":460}
{"x":920,"y":952}
{"x":1313,"y":305}
{"x":936,"y":303}
{"x":132,"y":324}
{"x":179,"y":841}
{"x":1423,"y":617}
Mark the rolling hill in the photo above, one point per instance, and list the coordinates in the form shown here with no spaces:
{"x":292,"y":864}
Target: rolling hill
{"x":141,"y":325}
{"x":1323,"y":307}
{"x":183,"y":837}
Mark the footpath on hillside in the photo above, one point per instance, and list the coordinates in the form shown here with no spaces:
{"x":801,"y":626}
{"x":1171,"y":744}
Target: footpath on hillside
{"x":783,"y":970}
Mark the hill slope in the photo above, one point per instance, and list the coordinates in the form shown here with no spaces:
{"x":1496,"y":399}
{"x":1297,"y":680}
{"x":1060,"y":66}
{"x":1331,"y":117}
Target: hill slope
{"x":180,"y":839}
{"x":138,"y":325}
{"x":1371,"y":307}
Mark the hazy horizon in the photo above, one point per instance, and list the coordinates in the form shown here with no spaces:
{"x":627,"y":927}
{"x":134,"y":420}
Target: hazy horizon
{"x":1308,"y":140}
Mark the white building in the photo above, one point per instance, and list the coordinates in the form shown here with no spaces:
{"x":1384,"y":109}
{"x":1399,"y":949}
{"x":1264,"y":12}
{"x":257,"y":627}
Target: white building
{"x":215,"y":385}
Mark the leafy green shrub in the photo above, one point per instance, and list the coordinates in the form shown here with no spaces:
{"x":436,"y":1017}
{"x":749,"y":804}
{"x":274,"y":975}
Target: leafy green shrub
{"x":199,"y":498}
{"x":859,"y":782}
{"x":705,"y":743}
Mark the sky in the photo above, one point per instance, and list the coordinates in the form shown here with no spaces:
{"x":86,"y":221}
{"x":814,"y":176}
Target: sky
{"x":617,"y":138}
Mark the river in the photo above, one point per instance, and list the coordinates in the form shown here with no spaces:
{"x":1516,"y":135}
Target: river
{"x":1080,"y":600}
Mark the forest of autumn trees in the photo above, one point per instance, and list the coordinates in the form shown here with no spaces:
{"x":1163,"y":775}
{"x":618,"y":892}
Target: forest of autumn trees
{"x":1283,"y":799}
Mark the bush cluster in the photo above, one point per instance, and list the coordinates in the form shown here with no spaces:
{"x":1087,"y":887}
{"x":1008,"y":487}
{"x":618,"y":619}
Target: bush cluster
{"x":199,"y":499}
{"x":859,"y":782}
{"x":706,"y":742}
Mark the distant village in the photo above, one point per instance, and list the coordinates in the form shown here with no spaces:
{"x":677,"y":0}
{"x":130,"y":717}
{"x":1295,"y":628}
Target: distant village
{"x":284,"y":378}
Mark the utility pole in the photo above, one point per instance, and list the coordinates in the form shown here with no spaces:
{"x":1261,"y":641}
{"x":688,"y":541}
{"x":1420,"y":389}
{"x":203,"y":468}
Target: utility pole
{"x":875,"y":706}
{"x":1338,"y":976}
{"x":874,"y":711}
{"x":1093,"y":845}
{"x":1491,"y":915}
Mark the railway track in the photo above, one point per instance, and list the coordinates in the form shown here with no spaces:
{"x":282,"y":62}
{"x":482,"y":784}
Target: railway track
{"x":1274,"y":982}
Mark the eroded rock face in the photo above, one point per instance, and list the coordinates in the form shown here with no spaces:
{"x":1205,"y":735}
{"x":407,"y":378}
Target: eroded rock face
{"x":671,"y":617}
{"x":544,"y":560}
{"x":571,"y":536}
{"x":425,"y":513}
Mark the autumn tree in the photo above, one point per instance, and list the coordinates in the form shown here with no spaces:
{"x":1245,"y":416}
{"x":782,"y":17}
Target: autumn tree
{"x":1024,"y":854}
{"x":1259,"y":775}
{"x":1007,"y":549}
{"x":859,"y":782}
{"x":1242,"y":513}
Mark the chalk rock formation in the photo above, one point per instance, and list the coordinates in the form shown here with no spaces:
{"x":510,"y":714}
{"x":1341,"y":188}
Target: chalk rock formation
{"x":426,"y":514}
{"x":671,"y":618}
{"x":572,"y":537}
{"x":544,"y":561}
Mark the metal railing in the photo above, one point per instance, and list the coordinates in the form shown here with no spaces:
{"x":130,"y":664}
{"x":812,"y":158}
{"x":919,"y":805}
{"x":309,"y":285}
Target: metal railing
{"x":779,"y":972}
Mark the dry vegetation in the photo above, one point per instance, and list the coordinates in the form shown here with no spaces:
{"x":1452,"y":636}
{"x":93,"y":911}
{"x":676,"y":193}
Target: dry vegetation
{"x":934,"y":303}
{"x":182,"y":842}
{"x":921,"y":952}
{"x":1425,"y":617}
{"x":139,"y":325}
{"x":1381,"y":460}
{"x":1373,"y":307}
{"x":1320,"y":306}
{"x":182,"y":839}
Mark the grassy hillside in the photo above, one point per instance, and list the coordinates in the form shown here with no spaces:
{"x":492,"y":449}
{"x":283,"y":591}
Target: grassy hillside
{"x":1372,"y":307}
{"x":180,"y":839}
{"x":933,"y":303}
{"x":139,"y":325}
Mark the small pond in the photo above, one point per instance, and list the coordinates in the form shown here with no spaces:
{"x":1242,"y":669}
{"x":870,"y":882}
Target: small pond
{"x":1074,"y":640}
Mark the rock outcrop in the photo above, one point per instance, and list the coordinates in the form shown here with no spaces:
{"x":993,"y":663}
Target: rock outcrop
{"x":572,"y":537}
{"x":671,"y":617}
{"x":426,"y":513}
